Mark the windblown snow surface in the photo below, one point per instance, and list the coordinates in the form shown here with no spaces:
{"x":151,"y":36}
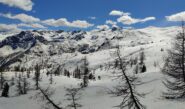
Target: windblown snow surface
{"x":95,"y":96}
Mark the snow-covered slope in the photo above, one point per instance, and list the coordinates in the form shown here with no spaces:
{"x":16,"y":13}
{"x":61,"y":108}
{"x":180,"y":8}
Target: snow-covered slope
{"x":68,"y":48}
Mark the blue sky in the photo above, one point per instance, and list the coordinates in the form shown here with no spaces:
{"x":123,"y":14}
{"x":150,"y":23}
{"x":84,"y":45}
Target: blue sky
{"x":88,"y":14}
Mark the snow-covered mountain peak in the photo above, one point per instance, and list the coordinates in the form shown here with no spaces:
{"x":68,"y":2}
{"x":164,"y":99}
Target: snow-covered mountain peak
{"x":55,"y":43}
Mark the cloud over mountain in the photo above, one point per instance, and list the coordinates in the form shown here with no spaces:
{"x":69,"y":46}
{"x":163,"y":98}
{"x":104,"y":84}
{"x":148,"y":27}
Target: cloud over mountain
{"x":34,"y":25}
{"x":110,"y":22}
{"x":9,"y":28}
{"x":102,"y":27}
{"x":126,"y":19}
{"x":176,"y":17}
{"x":22,"y":17}
{"x":66,"y":23}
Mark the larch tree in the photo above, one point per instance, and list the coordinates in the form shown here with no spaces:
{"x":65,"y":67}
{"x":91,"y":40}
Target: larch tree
{"x":127,"y":86}
{"x":25,"y":85}
{"x":73,"y":95}
{"x":174,"y":68}
{"x":45,"y":96}
{"x":2,"y":79}
{"x":37,"y":76}
{"x":85,"y":72}
{"x":19,"y":86}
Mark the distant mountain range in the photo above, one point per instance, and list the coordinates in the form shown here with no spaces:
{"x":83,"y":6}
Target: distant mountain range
{"x":30,"y":46}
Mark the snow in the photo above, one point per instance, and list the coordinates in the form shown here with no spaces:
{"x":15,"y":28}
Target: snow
{"x":5,"y":35}
{"x":95,"y":96}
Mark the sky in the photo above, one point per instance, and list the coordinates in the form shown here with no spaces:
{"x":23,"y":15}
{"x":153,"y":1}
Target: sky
{"x":16,"y":15}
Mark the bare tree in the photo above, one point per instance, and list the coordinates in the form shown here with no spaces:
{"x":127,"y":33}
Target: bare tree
{"x":142,"y":56}
{"x":126,"y":88}
{"x":73,"y":95}
{"x":25,"y":85}
{"x":51,"y":78}
{"x":44,"y":95}
{"x":174,"y":68}
{"x":28,"y":73}
{"x":37,"y":76}
{"x":85,"y":72}
{"x":12,"y":81}
{"x":77,"y":73}
{"x":2,"y":79}
{"x":19,"y":87}
{"x":57,"y":71}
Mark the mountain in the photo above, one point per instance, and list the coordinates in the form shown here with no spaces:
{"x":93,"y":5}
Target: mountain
{"x":53,"y":45}
{"x":66,"y":49}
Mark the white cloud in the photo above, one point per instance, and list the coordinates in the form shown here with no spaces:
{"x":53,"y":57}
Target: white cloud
{"x":110,"y":22}
{"x":128,"y":20}
{"x":30,"y":21}
{"x":22,"y":17}
{"x":176,"y":17}
{"x":93,"y":18}
{"x":81,"y":24}
{"x":147,"y":19}
{"x":34,"y":25}
{"x":9,"y":28}
{"x":56,"y":23}
{"x":101,"y":27}
{"x":22,"y":4}
{"x":18,"y":27}
{"x":65,"y":22}
{"x":118,"y":13}
{"x":125,"y":18}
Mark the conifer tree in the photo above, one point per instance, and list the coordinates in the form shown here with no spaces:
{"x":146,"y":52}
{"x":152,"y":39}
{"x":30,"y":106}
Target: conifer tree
{"x":2,"y":79}
{"x":85,"y":72}
{"x":19,"y":87}
{"x":73,"y":95}
{"x":25,"y":85}
{"x":126,"y":87}
{"x":37,"y":76}
{"x":174,"y":68}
